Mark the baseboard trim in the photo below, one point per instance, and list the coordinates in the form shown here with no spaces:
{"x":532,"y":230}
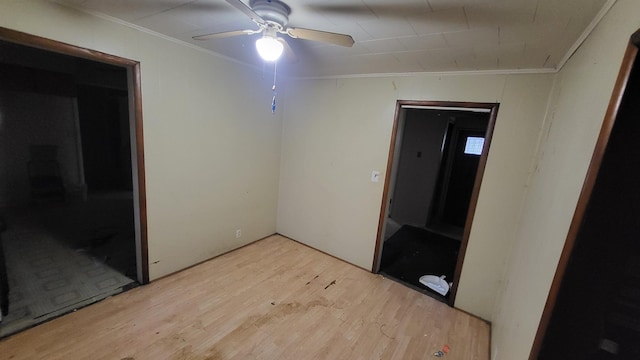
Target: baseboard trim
{"x":333,"y":256}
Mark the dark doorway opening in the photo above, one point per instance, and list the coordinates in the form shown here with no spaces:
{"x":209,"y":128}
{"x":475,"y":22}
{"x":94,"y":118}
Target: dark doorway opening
{"x":593,"y":308}
{"x":435,"y":166}
{"x":72,"y":208}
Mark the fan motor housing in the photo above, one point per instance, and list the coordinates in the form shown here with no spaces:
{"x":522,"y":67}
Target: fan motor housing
{"x":272,"y":11}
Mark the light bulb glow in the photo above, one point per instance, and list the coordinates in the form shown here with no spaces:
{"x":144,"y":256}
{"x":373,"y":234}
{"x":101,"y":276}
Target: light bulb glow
{"x":269,"y":48}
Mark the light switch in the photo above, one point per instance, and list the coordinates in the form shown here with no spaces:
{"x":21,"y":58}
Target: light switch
{"x":375,"y":176}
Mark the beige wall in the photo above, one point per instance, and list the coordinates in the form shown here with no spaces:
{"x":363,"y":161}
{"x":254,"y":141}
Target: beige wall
{"x":336,"y":132}
{"x":212,"y":145}
{"x":581,"y":93}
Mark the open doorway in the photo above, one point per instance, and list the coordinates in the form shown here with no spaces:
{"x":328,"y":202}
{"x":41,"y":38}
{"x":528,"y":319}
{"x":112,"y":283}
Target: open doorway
{"x":436,"y":162}
{"x":72,"y":206}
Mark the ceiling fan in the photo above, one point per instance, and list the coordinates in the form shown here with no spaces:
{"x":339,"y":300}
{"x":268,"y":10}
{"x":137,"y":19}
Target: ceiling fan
{"x":272,"y":17}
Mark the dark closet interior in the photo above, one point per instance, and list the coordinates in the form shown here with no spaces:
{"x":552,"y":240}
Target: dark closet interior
{"x":597,"y":311}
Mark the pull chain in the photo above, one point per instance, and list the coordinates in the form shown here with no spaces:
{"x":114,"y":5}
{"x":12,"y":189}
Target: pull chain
{"x":273,"y":88}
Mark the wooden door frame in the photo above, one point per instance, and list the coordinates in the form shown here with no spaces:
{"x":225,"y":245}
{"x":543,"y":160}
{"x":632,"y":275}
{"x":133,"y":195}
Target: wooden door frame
{"x":493,"y":114}
{"x":135,"y":99}
{"x":630,"y":56}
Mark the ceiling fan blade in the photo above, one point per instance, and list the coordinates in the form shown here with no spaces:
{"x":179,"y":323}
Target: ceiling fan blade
{"x":224,"y":34}
{"x":322,"y":36}
{"x":288,"y":52}
{"x":247,"y":11}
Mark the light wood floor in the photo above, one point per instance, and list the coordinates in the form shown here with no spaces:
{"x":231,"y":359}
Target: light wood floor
{"x":275,"y":299}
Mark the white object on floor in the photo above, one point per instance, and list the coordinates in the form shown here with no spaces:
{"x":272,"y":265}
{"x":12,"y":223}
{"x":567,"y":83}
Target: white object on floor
{"x":437,"y":284}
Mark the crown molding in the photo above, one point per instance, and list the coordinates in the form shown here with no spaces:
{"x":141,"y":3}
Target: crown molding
{"x":109,"y":18}
{"x":585,"y":34}
{"x":433,"y":73}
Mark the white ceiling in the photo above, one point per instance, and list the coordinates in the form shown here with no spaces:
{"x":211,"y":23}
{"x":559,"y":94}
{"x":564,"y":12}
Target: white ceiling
{"x":392,"y":36}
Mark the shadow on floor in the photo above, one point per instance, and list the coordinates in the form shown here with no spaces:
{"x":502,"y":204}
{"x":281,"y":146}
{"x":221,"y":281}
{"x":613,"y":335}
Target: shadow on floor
{"x":64,"y":256}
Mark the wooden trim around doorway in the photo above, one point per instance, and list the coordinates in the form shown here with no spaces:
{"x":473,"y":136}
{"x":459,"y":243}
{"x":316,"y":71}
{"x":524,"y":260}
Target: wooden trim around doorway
{"x":377,"y":255}
{"x":134,"y":78}
{"x":493,"y":108}
{"x":587,"y":189}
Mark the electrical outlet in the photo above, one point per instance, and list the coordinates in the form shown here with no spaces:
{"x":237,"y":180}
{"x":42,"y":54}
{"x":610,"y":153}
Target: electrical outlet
{"x":238,"y":233}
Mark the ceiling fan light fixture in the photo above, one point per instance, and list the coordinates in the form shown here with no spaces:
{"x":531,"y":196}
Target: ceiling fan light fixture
{"x":269,"y":48}
{"x":272,"y":18}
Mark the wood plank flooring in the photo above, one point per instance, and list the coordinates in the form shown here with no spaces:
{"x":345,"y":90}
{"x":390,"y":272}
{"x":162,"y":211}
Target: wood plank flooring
{"x":274,"y":299}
